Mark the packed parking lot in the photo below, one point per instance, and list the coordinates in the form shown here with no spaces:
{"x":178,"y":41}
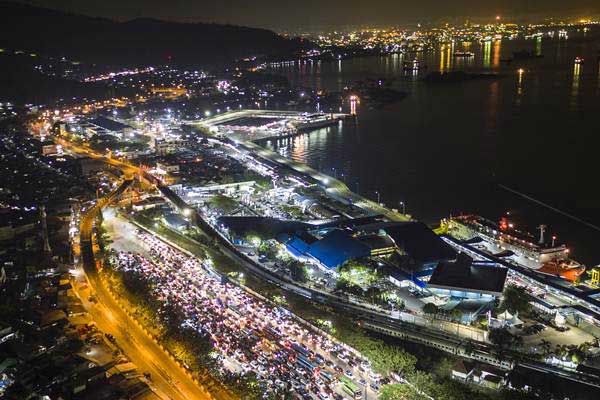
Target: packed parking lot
{"x":250,"y":335}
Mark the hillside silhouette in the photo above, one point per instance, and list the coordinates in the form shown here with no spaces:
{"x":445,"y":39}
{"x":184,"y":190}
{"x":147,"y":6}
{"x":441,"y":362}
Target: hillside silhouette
{"x":136,"y":42}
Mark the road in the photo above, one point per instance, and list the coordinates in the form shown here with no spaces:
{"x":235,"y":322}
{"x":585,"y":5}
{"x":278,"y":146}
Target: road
{"x":207,"y":288}
{"x":127,"y":168}
{"x":169,"y":380}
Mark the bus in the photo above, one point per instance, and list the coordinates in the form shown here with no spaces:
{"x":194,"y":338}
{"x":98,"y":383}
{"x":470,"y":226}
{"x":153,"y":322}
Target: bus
{"x":300,"y":349}
{"x":272,"y":334}
{"x":351,"y":388}
{"x":234,"y":308}
{"x":304,"y":362}
{"x":326,"y":376}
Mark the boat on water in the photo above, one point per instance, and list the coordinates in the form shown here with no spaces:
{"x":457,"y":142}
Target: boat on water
{"x":504,"y":240}
{"x":464,"y":54}
{"x":413,"y":65}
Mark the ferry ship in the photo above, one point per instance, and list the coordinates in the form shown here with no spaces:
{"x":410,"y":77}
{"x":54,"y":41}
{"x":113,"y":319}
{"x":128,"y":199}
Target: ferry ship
{"x":504,"y":240}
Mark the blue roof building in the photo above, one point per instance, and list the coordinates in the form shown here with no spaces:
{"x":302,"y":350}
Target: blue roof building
{"x":333,"y":250}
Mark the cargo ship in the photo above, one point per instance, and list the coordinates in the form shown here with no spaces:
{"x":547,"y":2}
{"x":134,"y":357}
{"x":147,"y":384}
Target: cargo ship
{"x":504,"y":240}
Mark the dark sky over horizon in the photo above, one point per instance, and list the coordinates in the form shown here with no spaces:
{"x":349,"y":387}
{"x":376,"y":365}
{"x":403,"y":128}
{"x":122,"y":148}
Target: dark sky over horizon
{"x":317,"y":14}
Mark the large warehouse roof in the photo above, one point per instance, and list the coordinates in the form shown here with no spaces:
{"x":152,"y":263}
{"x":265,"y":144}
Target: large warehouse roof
{"x":462,"y":274}
{"x":420,"y":242}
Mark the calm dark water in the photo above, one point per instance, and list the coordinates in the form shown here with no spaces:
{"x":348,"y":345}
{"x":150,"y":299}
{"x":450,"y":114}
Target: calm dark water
{"x":446,"y":148}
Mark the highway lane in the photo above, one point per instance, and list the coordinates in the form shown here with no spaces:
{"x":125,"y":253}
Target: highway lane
{"x":194,"y":277}
{"x":169,"y":379}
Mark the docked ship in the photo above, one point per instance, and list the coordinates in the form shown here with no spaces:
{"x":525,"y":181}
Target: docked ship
{"x":504,"y":240}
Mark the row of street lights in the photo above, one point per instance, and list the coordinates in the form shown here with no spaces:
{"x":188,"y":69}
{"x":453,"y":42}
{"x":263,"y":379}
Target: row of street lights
{"x":401,"y":203}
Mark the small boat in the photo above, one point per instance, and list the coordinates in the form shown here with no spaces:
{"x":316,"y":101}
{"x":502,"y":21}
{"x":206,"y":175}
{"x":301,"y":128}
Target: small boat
{"x":413,"y":65}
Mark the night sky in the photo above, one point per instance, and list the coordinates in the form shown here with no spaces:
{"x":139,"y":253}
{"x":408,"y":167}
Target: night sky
{"x":316,"y":14}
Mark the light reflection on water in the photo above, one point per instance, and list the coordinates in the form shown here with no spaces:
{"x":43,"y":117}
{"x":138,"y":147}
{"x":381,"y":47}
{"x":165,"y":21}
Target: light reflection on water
{"x":575,"y":85}
{"x":444,"y":148}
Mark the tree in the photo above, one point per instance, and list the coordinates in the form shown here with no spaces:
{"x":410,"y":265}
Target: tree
{"x":423,"y":381}
{"x":389,"y":359}
{"x":430,"y":309}
{"x":546,"y":346}
{"x":501,"y":337}
{"x":399,"y":392}
{"x":223,"y":203}
{"x":245,"y":386}
{"x":343,"y":285}
{"x":373,"y":294}
{"x":297,"y":270}
{"x":515,"y":300}
{"x":456,"y":314}
{"x":267,"y":249}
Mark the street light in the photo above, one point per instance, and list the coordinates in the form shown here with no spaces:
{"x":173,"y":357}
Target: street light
{"x":378,"y":197}
{"x":403,"y":205}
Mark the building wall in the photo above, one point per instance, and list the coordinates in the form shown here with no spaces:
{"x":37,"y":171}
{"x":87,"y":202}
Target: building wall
{"x":463,"y":294}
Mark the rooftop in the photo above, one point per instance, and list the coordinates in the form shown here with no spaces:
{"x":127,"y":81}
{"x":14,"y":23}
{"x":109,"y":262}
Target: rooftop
{"x":416,"y":240}
{"x":108,"y":124}
{"x":462,"y":274}
{"x":334,"y":249}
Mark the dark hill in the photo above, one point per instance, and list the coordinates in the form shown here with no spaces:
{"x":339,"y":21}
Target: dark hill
{"x":137,"y":42}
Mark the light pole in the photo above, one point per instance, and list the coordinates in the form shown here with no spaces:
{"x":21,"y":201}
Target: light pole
{"x":378,"y":197}
{"x":403,"y":205}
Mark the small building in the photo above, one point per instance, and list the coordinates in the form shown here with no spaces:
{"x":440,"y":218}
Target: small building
{"x":49,"y":148}
{"x":175,"y":221}
{"x":168,"y":164}
{"x":89,"y":166}
{"x":543,"y":306}
{"x":490,"y":377}
{"x":149,"y":202}
{"x":163,"y":147}
{"x":462,"y":370}
{"x":481,"y":374}
{"x":14,"y":223}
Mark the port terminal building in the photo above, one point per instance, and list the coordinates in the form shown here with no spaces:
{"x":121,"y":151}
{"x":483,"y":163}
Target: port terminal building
{"x":422,"y":258}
